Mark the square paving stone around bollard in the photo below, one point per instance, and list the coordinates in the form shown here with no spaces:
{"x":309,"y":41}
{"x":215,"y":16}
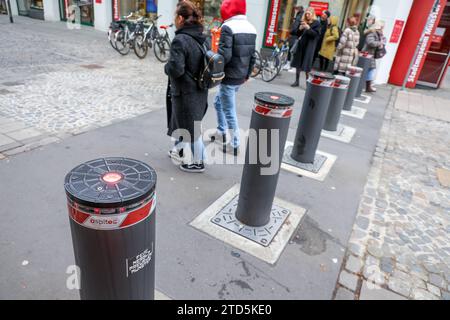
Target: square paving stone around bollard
{"x":238,"y":234}
{"x":342,"y":134}
{"x":356,"y":112}
{"x":364,"y":99}
{"x":318,"y":170}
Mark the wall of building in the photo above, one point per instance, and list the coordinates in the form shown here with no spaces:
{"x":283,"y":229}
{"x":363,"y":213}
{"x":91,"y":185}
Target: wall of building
{"x":102,"y":15}
{"x":51,"y":10}
{"x":257,"y":15}
{"x":14,"y":9}
{"x":389,"y":11}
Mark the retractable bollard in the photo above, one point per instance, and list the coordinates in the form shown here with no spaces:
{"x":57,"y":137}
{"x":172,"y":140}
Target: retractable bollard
{"x":312,"y":119}
{"x":111,"y":204}
{"x":340,"y":89}
{"x":354,"y":73}
{"x":272,"y":112}
{"x":364,"y":62}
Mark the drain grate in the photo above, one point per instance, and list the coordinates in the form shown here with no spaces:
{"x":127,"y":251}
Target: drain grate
{"x":264,"y":235}
{"x":315,"y":167}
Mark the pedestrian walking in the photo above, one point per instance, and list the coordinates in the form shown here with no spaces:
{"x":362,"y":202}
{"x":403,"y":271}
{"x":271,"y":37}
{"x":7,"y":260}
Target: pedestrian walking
{"x":186,"y":103}
{"x":308,"y":33}
{"x":328,"y":48}
{"x":375,"y":45}
{"x":347,"y":51}
{"x":237,"y":46}
{"x":324,"y":21}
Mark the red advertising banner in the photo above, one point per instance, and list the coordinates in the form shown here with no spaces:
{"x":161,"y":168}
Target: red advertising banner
{"x":98,"y":1}
{"x":272,"y":23}
{"x":397,"y":31}
{"x":116,"y":10}
{"x":318,"y":7}
{"x":425,"y":42}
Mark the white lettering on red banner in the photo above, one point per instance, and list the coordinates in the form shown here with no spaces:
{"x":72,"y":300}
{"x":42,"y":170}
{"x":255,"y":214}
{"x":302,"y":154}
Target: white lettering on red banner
{"x":272,"y":23}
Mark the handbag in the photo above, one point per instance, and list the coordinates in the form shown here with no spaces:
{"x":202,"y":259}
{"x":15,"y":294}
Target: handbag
{"x":380,"y":53}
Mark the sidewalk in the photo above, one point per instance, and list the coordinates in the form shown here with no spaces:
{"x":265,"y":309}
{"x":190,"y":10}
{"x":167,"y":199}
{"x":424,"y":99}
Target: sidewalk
{"x":190,"y":264}
{"x":400,"y":244}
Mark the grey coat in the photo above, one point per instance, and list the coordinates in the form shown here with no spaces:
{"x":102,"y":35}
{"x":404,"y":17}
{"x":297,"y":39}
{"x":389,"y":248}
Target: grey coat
{"x":186,"y":103}
{"x":372,"y":42}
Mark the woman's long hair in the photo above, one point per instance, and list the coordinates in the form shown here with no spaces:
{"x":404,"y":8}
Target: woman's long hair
{"x":313,"y":15}
{"x":190,"y":13}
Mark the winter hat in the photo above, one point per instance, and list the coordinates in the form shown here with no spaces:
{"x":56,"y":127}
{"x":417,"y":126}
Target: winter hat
{"x":231,"y":8}
{"x":327,"y":13}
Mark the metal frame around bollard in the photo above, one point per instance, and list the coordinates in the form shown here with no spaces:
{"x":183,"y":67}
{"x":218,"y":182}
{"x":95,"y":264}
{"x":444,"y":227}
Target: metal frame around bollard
{"x":354,"y":73}
{"x":111,"y":203}
{"x":271,"y":113}
{"x":314,"y":111}
{"x":364,"y":62}
{"x":340,"y":89}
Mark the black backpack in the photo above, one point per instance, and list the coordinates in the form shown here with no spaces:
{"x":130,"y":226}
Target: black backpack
{"x":213,"y":68}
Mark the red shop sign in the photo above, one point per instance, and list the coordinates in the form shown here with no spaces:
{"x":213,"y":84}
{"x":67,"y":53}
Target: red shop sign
{"x":319,"y":7}
{"x":272,"y":23}
{"x":98,"y":1}
{"x":397,"y":31}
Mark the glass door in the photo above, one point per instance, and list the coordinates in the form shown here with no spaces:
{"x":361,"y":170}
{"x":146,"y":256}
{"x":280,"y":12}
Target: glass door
{"x":438,"y":56}
{"x":24,"y":7}
{"x":82,"y":10}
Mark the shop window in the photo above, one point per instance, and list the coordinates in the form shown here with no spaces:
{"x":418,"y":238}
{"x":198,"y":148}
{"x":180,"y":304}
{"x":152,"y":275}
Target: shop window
{"x":211,"y":12}
{"x":37,"y":4}
{"x":3,"y":9}
{"x":138,"y":8}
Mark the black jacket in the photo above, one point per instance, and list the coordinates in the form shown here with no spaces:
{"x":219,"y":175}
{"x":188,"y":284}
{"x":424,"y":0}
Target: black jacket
{"x":304,"y":55}
{"x":237,"y":46}
{"x":187,"y":104}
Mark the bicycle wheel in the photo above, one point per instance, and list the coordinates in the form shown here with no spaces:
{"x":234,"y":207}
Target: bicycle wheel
{"x":270,"y":68}
{"x":121,"y":44}
{"x":162,"y":48}
{"x":258,"y":65}
{"x":111,"y":35}
{"x":140,"y":46}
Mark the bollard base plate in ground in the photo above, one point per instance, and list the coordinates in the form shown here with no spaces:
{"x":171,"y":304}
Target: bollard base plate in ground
{"x":343,"y":133}
{"x":318,"y":170}
{"x":315,"y":167}
{"x":356,"y":112}
{"x":264,"y":235}
{"x":363,"y":99}
{"x":270,"y":253}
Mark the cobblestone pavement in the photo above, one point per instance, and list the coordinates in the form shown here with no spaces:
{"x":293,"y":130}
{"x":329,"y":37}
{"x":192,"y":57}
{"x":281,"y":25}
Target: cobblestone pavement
{"x":58,"y":82}
{"x":400,"y":244}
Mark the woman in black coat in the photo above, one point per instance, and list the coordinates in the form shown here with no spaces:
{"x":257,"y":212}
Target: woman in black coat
{"x":187,"y":103}
{"x":308,"y":33}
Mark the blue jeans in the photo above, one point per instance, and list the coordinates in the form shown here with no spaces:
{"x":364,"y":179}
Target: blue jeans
{"x":197,"y":149}
{"x":225,"y":104}
{"x":371,"y":74}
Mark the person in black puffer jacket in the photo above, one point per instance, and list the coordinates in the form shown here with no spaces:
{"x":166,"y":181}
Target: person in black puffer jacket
{"x":186,"y":103}
{"x":237,"y":46}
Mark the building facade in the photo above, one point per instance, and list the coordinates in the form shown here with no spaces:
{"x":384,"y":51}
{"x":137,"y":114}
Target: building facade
{"x":273,"y":18}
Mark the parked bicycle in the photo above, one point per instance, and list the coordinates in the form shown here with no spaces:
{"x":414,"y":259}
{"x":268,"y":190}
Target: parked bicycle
{"x":161,"y":46}
{"x":258,"y":65}
{"x":276,"y":61}
{"x":145,"y":39}
{"x":124,"y":37}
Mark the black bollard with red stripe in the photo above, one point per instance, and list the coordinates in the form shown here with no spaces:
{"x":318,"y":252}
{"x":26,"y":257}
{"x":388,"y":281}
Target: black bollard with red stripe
{"x":314,"y":111}
{"x":354,"y":73}
{"x":340,"y":89}
{"x":269,"y":127}
{"x":364,"y":61}
{"x":111,"y":204}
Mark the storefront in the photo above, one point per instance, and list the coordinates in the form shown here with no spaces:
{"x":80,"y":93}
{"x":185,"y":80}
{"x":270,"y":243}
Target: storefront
{"x":280,"y":15}
{"x":32,"y":8}
{"x":138,"y":8}
{"x":81,"y":11}
{"x":211,"y":11}
{"x":3,"y":8}
{"x":424,"y":52}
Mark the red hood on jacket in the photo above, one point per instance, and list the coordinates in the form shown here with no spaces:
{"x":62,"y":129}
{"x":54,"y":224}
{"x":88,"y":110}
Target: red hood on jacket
{"x":231,"y":8}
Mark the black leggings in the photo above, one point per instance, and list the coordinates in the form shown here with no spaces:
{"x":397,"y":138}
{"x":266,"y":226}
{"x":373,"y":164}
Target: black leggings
{"x":324,"y":63}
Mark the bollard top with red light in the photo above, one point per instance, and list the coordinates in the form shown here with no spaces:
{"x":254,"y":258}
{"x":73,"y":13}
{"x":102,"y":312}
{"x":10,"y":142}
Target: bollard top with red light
{"x":110,"y":183}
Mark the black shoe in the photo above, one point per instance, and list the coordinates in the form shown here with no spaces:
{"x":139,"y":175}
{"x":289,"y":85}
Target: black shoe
{"x":295,"y":84}
{"x":193,"y":167}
